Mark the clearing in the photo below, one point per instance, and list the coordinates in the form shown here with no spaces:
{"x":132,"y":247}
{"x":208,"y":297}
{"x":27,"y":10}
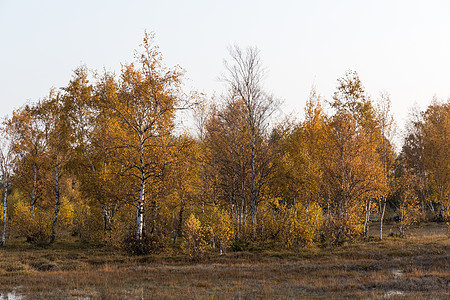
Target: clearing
{"x":417,"y":267}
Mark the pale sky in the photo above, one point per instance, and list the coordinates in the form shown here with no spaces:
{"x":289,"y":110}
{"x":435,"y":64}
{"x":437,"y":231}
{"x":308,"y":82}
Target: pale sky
{"x":401,"y":47}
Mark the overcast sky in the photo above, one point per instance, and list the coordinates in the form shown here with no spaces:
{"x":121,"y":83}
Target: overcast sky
{"x":401,"y":47}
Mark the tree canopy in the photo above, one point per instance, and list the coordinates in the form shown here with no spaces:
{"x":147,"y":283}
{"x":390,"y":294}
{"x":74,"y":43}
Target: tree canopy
{"x":100,"y":158}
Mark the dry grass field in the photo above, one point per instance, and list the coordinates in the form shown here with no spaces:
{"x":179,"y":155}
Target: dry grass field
{"x":414,"y":268}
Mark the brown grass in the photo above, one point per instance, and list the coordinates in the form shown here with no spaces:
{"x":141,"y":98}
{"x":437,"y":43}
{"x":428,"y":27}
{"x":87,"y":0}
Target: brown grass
{"x":395,"y":268}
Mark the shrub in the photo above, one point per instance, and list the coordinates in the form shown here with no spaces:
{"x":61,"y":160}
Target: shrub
{"x":239,"y":245}
{"x":88,"y":223}
{"x":219,"y":227}
{"x":36,"y":226}
{"x":149,"y":244}
{"x":294,"y":226}
{"x":195,"y":243}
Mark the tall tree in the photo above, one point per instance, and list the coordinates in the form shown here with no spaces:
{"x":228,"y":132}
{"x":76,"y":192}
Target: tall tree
{"x":29,"y":129}
{"x":437,"y":153}
{"x":413,"y":151}
{"x":56,"y":109}
{"x":298,"y":170}
{"x":425,"y":152}
{"x":183,"y":180}
{"x":244,"y":77}
{"x":228,"y":154}
{"x":6,"y":170}
{"x":143,"y":103}
{"x":352,"y":169}
{"x":93,"y":163}
{"x":387,"y":131}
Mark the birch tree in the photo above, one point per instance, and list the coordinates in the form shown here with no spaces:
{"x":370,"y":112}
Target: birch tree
{"x":352,"y":169}
{"x":6,"y":170}
{"x":143,"y":105}
{"x":228,"y":151}
{"x":56,"y":112}
{"x":28,"y":129}
{"x":93,"y":162}
{"x":426,"y":151}
{"x":437,"y":153}
{"x":244,"y":77}
{"x":387,"y":131}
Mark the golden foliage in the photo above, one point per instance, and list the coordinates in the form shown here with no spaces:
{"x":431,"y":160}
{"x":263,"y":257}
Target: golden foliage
{"x":220,"y":228}
{"x":195,"y":242}
{"x":35,"y":226}
{"x":107,"y":150}
{"x":294,"y":225}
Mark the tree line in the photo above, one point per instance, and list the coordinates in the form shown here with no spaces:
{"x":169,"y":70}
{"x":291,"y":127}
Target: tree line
{"x":100,"y":158}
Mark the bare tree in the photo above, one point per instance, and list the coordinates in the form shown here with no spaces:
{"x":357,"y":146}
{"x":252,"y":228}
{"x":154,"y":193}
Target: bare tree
{"x":244,"y":77}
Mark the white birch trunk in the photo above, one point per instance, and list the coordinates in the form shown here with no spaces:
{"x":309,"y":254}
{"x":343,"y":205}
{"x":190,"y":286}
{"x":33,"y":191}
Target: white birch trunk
{"x":253,"y":169}
{"x":57,"y":200}
{"x":367,"y":218}
{"x":33,"y":190}
{"x":140,"y":204}
{"x":140,"y":212}
{"x":382,"y":217}
{"x":5,"y":202}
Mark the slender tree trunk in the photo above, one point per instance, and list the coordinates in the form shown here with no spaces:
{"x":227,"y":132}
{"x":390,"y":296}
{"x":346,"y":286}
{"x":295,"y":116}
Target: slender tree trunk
{"x":253,"y":169}
{"x":5,"y":204}
{"x":383,"y":210}
{"x":367,"y":217}
{"x":140,"y":203}
{"x":232,"y":206}
{"x":430,"y":205}
{"x":140,"y":212}
{"x":317,"y":214}
{"x":294,"y":202}
{"x":441,"y":203}
{"x":243,"y":202}
{"x":106,"y":219}
{"x":402,"y":224}
{"x":242,"y":214}
{"x":422,"y":206}
{"x":221,"y":248}
{"x":33,"y":190}
{"x":341,"y":224}
{"x":448,"y":202}
{"x":154,"y":206}
{"x":57,"y":200}
{"x":178,"y":231}
{"x":238,"y":223}
{"x":342,"y":200}
{"x":428,"y":196}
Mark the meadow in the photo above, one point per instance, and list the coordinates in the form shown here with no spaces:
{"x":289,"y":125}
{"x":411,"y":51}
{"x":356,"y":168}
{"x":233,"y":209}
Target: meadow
{"x":396,"y":268}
